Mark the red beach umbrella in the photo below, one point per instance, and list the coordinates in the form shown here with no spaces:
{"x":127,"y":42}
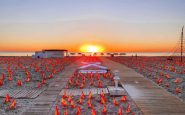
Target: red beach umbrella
{"x":72,"y":104}
{"x":82,"y":95}
{"x":7,"y":98}
{"x":1,"y":82}
{"x":103,"y":100}
{"x":123,"y":98}
{"x":63,"y":102}
{"x":57,"y":111}
{"x":65,"y":112}
{"x":13,"y":104}
{"x":120,"y":111}
{"x":159,"y":80}
{"x":177,"y":80}
{"x":128,"y":109}
{"x":93,"y":111}
{"x":78,"y":112}
{"x":2,"y":76}
{"x":104,"y":111}
{"x":115,"y":102}
{"x":90,"y":95}
{"x":167,"y":76}
{"x":70,"y":98}
{"x":177,"y":90}
{"x":99,"y":84}
{"x":10,"y":78}
{"x":19,"y":82}
{"x":39,"y":85}
{"x":89,"y":103}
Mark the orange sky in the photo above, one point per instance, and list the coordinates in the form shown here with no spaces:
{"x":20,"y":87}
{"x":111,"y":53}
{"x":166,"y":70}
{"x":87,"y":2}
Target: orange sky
{"x":110,"y":35}
{"x":144,"y":26}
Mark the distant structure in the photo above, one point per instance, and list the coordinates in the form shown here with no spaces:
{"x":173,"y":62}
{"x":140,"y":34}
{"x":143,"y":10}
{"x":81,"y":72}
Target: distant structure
{"x":51,"y":53}
{"x":182,"y":43}
{"x":178,"y":50}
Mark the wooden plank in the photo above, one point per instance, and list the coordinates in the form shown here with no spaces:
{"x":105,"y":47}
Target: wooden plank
{"x":76,"y":92}
{"x":160,"y":102}
{"x":20,"y":93}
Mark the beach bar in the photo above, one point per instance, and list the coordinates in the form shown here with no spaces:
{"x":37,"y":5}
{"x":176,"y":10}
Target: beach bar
{"x":51,"y":53}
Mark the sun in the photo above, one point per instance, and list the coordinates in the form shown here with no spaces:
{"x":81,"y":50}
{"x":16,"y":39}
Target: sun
{"x":91,"y":48}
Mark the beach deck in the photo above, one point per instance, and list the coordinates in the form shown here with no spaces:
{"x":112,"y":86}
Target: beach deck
{"x":149,"y":97}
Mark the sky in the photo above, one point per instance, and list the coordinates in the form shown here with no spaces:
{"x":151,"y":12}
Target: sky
{"x":115,"y":25}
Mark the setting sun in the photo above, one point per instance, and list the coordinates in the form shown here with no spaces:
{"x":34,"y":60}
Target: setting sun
{"x":91,"y":48}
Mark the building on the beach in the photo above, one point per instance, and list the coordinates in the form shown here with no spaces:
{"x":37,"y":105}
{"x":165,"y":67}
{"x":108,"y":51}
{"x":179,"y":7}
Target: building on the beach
{"x":51,"y":53}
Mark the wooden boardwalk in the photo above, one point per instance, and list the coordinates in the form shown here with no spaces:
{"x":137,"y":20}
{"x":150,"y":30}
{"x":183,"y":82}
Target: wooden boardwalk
{"x":77,"y":92}
{"x":150,"y":98}
{"x":43,"y":104}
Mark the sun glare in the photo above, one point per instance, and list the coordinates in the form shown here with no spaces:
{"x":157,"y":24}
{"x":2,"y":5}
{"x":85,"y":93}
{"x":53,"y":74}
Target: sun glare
{"x":91,"y":48}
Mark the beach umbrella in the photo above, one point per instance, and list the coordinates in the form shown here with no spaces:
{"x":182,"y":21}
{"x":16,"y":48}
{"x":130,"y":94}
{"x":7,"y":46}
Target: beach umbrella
{"x":38,"y":85}
{"x":82,"y":95}
{"x":167,"y":76}
{"x":123,"y":98}
{"x":50,"y":76}
{"x":70,"y":82}
{"x":90,"y":95}
{"x":1,"y":82}
{"x":99,"y":84}
{"x":89,"y":103}
{"x":70,"y":98}
{"x":128,"y":109}
{"x":27,"y":79}
{"x":19,"y":82}
{"x":159,"y":80}
{"x":103,"y":100}
{"x":13,"y":104}
{"x":77,"y":83}
{"x":57,"y":111}
{"x":43,"y":81}
{"x":2,"y":76}
{"x":10,"y":77}
{"x":64,"y":95}
{"x":177,"y":90}
{"x":120,"y":111}
{"x":102,"y":94}
{"x":82,"y":86}
{"x":104,"y":111}
{"x":65,"y":112}
{"x":78,"y":112}
{"x":72,"y":104}
{"x":93,"y":112}
{"x":177,"y":80}
{"x":115,"y":102}
{"x":7,"y":98}
{"x":63,"y":102}
{"x":161,"y":74}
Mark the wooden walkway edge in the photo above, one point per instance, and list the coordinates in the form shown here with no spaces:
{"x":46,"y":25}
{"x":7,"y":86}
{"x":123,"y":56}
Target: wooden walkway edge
{"x":150,"y":98}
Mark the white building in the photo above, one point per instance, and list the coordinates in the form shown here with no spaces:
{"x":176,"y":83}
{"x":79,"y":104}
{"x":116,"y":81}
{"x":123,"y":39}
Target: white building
{"x":52,"y":53}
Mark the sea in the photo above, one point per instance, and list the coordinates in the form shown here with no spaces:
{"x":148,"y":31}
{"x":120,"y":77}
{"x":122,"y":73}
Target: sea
{"x":98,"y":54}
